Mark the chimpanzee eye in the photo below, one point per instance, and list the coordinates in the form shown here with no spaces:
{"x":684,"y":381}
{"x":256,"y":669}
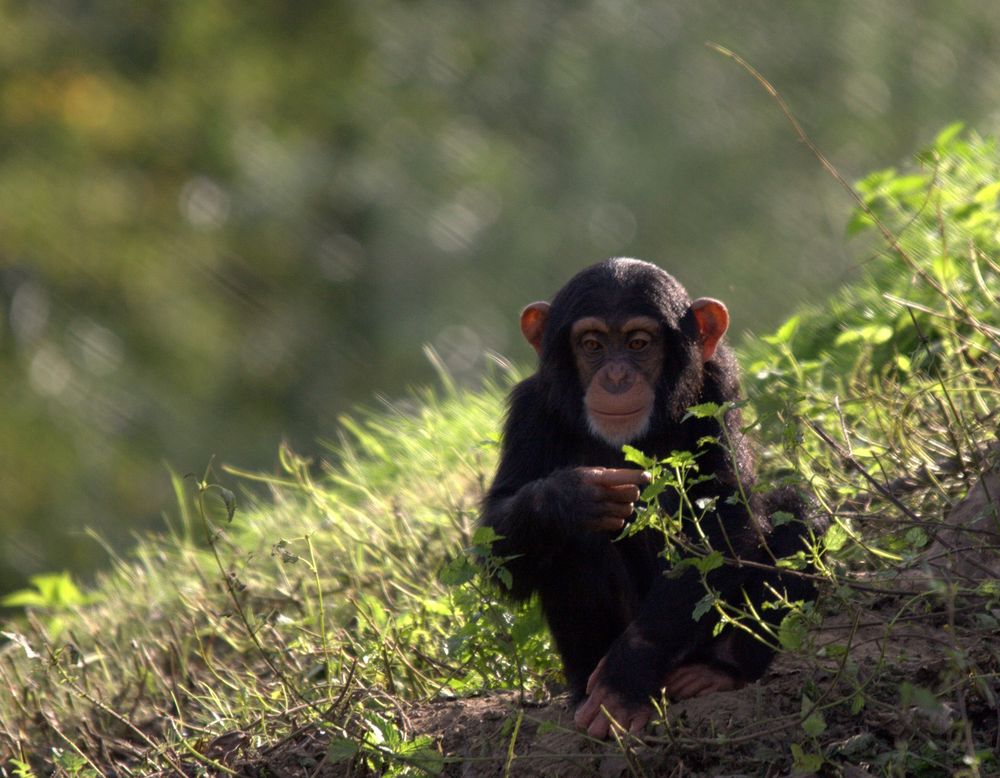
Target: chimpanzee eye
{"x":591,"y":344}
{"x":638,"y":342}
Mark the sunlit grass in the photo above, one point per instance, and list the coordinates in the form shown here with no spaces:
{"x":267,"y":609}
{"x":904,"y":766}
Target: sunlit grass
{"x":339,"y":592}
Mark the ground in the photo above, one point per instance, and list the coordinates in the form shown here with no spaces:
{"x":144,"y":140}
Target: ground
{"x":749,"y":732}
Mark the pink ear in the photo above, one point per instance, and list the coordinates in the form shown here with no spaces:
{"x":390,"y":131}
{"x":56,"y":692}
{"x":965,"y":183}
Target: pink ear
{"x":713,"y":321}
{"x":533,"y":319}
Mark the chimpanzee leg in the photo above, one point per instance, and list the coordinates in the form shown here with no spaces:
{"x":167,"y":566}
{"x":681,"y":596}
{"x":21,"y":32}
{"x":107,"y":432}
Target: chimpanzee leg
{"x":750,"y":653}
{"x":587,"y":605}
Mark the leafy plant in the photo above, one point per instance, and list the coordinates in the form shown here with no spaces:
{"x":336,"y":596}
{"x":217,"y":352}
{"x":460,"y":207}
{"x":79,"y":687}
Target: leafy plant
{"x":344,"y":595}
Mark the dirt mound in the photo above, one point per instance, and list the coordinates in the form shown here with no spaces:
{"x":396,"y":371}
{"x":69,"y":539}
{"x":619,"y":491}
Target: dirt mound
{"x":741,"y":733}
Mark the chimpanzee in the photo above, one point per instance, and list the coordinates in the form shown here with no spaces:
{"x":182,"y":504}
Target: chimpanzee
{"x":623,"y":353}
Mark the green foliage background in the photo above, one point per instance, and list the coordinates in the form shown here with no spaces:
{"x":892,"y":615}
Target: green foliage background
{"x":224,"y":223}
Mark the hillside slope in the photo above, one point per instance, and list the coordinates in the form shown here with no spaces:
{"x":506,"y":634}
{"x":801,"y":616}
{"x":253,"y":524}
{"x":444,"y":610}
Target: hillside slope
{"x":327,"y":620}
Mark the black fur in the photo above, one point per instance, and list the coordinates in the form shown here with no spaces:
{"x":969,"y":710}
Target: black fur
{"x":613,"y":598}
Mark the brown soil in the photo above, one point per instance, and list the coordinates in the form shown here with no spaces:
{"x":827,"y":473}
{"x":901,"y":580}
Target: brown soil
{"x":743,"y":733}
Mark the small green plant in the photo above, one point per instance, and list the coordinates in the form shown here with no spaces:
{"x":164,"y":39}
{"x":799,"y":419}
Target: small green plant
{"x":679,"y":473}
{"x":494,"y":639}
{"x":53,"y":596}
{"x":343,"y":595}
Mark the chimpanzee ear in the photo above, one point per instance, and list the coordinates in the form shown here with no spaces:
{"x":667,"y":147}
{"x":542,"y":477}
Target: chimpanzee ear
{"x":713,"y":321}
{"x":533,"y":319}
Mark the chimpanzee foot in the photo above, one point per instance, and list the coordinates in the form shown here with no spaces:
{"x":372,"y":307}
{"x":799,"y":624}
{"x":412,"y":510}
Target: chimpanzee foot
{"x":694,"y":680}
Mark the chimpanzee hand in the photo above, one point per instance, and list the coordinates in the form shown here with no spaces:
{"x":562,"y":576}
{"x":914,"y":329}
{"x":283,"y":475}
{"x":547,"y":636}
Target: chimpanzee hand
{"x":607,"y":495}
{"x":696,"y":679}
{"x":604,"y":706}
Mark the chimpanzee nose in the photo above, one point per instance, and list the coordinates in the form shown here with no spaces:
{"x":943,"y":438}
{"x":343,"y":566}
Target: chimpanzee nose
{"x":617,"y":378}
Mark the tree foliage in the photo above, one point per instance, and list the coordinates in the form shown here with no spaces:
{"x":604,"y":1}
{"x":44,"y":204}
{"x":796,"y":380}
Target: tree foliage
{"x":222,"y":224}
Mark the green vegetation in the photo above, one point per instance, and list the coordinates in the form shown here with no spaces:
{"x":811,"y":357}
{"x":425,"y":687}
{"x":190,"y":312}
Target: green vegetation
{"x":333,"y":604}
{"x":223,"y":224}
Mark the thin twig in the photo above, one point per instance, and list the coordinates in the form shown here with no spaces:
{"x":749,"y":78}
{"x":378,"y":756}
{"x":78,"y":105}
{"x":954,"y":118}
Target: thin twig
{"x":890,"y":238}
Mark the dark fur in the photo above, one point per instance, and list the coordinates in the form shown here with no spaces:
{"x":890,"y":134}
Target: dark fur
{"x":602,"y":597}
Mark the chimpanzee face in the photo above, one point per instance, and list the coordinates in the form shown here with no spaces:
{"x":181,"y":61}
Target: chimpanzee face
{"x":621,"y":327}
{"x":618,"y":363}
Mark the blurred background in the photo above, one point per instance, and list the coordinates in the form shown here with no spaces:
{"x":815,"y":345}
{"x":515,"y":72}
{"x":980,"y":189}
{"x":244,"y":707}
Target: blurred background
{"x":222,"y":224}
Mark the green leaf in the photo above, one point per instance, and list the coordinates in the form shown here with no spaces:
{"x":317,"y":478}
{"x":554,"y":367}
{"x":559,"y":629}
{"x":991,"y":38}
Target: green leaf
{"x":814,"y":724}
{"x":376,"y":611}
{"x":653,"y":491}
{"x":988,"y":193}
{"x":796,"y":561}
{"x":484,"y":536}
{"x":24,"y":598}
{"x":340,"y":749}
{"x":858,"y":223}
{"x":457,"y":571}
{"x":836,"y":537}
{"x":847,"y":336}
{"x":709,"y":562}
{"x":792,"y":632}
{"x":916,"y":537}
{"x":703,"y":606}
{"x":781,"y":517}
{"x":803,"y":762}
{"x":421,"y":754}
{"x":922,"y":697}
{"x":230,"y":501}
{"x":426,"y":759}
{"x":785,"y":332}
{"x":905,"y":185}
{"x":879,"y":334}
{"x":635,"y":456}
{"x":52,"y":590}
{"x":947,"y":135}
{"x":944,"y":268}
{"x":989,"y":588}
{"x":870,"y":333}
{"x":704,"y":411}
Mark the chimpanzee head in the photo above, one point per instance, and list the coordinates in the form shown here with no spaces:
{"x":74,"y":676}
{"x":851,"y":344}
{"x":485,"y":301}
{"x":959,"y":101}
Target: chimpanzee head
{"x":623,"y":349}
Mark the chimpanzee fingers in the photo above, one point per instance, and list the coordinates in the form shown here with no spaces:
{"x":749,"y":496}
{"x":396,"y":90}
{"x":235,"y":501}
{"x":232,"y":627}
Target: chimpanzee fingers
{"x":588,"y":710}
{"x":606,"y":524}
{"x":600,"y":727}
{"x":625,"y":493}
{"x":610,"y":715}
{"x":622,"y":476}
{"x":604,"y":711}
{"x":597,"y":671}
{"x":618,"y":510}
{"x":685,"y":682}
{"x":640,"y":720}
{"x":680,"y":673}
{"x":610,"y":517}
{"x":614,"y":476}
{"x":697,"y":679}
{"x":596,"y":726}
{"x":692,"y":687}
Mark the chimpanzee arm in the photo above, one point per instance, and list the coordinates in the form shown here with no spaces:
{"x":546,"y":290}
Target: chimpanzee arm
{"x":539,"y":504}
{"x":517,"y":506}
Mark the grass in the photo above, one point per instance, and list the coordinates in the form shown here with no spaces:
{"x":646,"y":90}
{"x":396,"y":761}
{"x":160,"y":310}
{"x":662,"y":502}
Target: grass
{"x":339,"y":596}
{"x":325,"y":585}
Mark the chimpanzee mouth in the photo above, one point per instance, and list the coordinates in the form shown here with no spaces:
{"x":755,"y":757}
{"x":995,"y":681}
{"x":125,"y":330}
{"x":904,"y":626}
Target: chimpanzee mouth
{"x":623,"y":415}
